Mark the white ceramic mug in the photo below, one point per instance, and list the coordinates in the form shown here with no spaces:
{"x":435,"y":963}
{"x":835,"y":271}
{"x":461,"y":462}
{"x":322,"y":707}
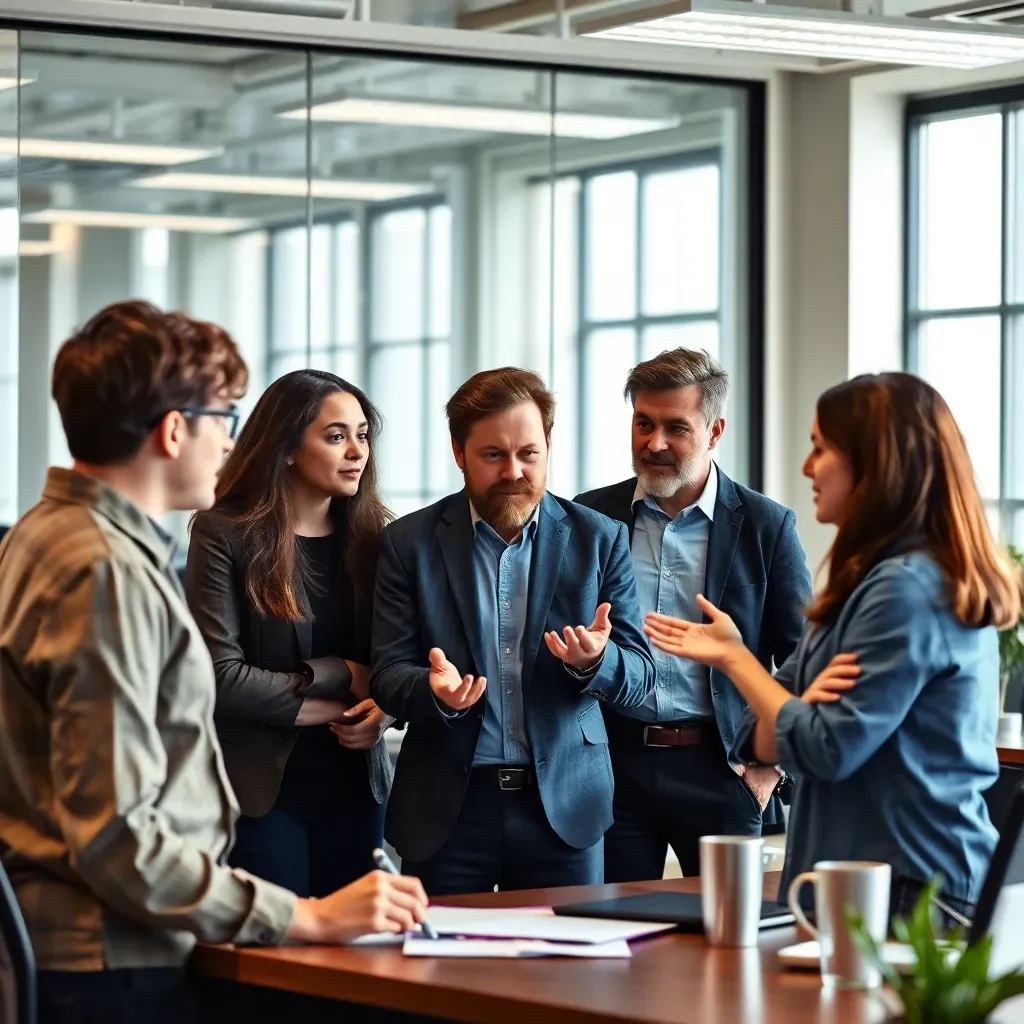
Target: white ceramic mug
{"x":838,"y":884}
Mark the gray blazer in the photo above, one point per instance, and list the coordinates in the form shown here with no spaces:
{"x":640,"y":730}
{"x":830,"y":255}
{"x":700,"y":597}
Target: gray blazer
{"x":263,"y":671}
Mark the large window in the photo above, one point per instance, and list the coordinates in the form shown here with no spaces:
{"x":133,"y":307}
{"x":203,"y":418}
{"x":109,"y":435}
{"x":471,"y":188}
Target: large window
{"x":649,"y":276}
{"x":965,"y":311}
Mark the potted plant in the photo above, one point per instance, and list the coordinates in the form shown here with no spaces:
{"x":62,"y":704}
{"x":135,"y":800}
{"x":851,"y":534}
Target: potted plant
{"x":941,"y":988}
{"x":1011,"y":661}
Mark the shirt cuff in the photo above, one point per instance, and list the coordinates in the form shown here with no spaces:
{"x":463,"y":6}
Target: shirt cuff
{"x":270,"y":914}
{"x":330,"y":678}
{"x":445,"y":710}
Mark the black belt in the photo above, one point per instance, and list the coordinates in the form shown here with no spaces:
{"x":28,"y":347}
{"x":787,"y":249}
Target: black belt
{"x":511,"y":779}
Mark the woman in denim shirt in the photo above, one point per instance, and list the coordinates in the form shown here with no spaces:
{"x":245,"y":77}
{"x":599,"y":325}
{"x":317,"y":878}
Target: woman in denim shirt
{"x":891,"y":732}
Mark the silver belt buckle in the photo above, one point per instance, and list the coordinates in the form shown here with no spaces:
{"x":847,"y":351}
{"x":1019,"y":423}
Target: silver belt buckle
{"x":507,"y":777}
{"x":647,"y":743}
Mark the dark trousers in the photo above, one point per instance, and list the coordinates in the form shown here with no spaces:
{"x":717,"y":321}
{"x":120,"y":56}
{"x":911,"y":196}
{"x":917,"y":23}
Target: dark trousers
{"x":151,"y":995}
{"x":670,"y":797}
{"x":502,"y":838}
{"x":312,"y":852}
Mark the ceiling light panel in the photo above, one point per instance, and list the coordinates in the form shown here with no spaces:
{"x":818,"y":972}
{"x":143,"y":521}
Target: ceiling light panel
{"x":325,"y":188}
{"x":87,"y":150}
{"x":122,"y":219}
{"x":463,"y":117}
{"x":826,"y":34}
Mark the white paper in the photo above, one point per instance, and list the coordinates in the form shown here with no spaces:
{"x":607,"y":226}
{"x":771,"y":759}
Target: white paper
{"x":514,"y":949}
{"x":536,"y":923}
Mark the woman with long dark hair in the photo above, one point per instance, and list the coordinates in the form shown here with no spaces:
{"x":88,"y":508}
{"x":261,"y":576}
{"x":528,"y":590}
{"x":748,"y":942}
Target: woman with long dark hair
{"x":280,"y":579}
{"x":892,"y":733}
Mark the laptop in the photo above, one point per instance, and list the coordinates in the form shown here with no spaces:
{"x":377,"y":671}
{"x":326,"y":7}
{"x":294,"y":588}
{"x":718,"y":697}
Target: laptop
{"x":999,"y":911}
{"x":682,"y":909}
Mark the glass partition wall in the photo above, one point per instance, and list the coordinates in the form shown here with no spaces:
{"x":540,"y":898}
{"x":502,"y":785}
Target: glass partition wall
{"x":402,"y":223}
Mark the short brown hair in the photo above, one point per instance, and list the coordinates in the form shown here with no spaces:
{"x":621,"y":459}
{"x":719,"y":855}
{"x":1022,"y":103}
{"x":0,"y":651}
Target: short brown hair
{"x":913,"y":487}
{"x":115,"y":378}
{"x":492,"y":391}
{"x":683,"y":368}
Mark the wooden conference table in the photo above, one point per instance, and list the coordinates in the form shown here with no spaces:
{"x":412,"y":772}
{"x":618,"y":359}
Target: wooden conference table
{"x":1012,"y":753}
{"x":673,"y":979}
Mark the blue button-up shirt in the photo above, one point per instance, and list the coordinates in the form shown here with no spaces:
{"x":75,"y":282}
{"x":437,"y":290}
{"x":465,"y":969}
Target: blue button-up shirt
{"x":502,"y":573}
{"x":670,"y":562}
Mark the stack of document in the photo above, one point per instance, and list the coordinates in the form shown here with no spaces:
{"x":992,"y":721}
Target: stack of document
{"x":525,"y":932}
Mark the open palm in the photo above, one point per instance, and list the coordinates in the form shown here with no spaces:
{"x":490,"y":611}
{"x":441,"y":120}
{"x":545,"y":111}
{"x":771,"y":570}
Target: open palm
{"x":709,"y":643}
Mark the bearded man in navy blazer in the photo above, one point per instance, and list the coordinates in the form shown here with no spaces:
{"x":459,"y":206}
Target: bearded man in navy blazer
{"x":504,"y":618}
{"x":692,"y":531}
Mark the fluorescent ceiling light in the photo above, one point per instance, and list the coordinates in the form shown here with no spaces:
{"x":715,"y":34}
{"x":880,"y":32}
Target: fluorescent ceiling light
{"x":830,"y":35}
{"x":39,"y":247}
{"x":104,"y":152}
{"x":369,"y":191}
{"x":116,"y":219}
{"x":474,"y":118}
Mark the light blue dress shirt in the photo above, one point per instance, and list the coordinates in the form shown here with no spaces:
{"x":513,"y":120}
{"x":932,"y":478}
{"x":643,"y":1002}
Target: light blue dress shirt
{"x":502,"y":573}
{"x":670,"y":561}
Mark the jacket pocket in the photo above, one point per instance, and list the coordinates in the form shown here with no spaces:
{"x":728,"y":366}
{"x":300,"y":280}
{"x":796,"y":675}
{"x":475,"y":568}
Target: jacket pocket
{"x":592,"y":725}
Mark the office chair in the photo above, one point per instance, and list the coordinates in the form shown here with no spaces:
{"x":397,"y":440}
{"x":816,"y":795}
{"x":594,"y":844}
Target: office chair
{"x":17,"y":962}
{"x":1004,"y":791}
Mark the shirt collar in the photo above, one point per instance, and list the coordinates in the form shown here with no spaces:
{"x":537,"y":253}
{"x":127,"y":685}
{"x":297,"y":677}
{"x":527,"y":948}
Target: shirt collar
{"x":71,"y":487}
{"x":706,"y":501}
{"x":530,"y":524}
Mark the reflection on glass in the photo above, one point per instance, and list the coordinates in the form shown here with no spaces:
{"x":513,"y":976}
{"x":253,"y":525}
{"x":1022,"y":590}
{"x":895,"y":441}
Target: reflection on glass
{"x":1016,"y":220}
{"x":1014,"y":433}
{"x":960,"y":225}
{"x":611,"y":246}
{"x":396,"y":386}
{"x":696,"y":334}
{"x":607,"y":360}
{"x":959,"y":356}
{"x":399,"y":275}
{"x":680,"y":233}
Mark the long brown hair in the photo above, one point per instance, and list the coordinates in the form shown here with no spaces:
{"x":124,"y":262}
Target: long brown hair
{"x":252,"y":495}
{"x":913,"y":487}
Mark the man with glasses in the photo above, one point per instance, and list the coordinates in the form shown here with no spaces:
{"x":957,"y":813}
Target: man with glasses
{"x":116,"y":814}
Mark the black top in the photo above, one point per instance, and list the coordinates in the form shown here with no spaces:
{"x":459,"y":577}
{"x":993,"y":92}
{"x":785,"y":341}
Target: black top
{"x":320,"y":772}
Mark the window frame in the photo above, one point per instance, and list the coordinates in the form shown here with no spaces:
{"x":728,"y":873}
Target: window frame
{"x":1007,"y":101}
{"x":704,"y":157}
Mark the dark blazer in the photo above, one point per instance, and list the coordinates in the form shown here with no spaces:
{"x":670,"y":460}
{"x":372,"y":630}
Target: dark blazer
{"x":426,"y":598}
{"x":756,"y":571}
{"x":259,"y":665}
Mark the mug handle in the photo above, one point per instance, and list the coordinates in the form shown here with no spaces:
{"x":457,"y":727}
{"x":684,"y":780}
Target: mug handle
{"x":794,"y":900}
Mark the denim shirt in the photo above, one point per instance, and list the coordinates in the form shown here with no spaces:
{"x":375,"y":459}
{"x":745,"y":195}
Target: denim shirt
{"x":896,"y":769}
{"x":502,"y":575}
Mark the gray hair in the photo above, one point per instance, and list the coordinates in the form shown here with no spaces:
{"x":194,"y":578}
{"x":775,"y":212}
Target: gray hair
{"x":683,"y":368}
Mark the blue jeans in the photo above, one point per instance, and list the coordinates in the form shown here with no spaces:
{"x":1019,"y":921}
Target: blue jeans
{"x":310,"y":852}
{"x":503,"y":839}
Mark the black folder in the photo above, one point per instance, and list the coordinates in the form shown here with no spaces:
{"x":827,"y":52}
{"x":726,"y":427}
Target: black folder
{"x":683,"y":909}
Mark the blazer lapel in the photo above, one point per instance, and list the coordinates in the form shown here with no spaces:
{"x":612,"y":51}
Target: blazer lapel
{"x":548,"y":552}
{"x":455,"y":536}
{"x":722,"y":539}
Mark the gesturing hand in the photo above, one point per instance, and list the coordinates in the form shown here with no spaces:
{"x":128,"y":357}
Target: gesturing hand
{"x":454,"y":691}
{"x":361,"y":727}
{"x":839,"y":675}
{"x":582,"y":647}
{"x":709,"y":643}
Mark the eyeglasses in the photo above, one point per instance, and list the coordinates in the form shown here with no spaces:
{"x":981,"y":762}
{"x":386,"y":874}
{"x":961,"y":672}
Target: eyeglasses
{"x":231,"y":416}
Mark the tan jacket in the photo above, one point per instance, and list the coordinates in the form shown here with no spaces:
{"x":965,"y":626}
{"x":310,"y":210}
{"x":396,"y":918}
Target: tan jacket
{"x":116,"y":814}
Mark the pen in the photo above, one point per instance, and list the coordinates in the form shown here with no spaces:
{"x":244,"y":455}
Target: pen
{"x":384,"y":862}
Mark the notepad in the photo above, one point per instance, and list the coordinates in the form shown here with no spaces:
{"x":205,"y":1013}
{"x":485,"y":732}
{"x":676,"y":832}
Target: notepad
{"x":514,"y":949}
{"x":538,"y":924}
